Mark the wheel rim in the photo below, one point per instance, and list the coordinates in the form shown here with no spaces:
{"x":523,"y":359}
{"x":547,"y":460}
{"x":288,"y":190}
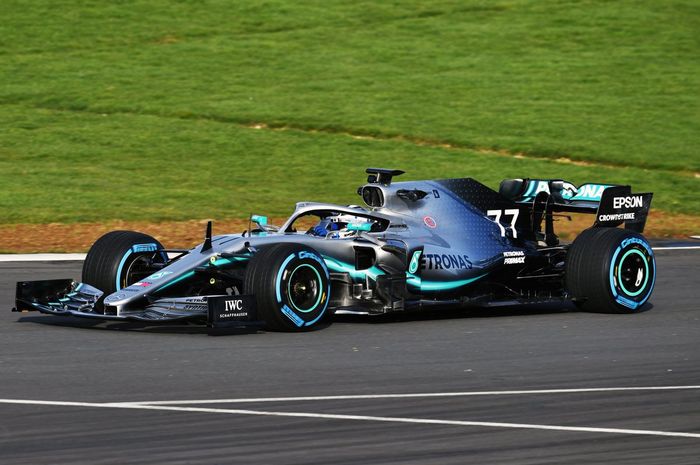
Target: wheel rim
{"x":304,"y":288}
{"x":137,"y":270}
{"x":633,"y":272}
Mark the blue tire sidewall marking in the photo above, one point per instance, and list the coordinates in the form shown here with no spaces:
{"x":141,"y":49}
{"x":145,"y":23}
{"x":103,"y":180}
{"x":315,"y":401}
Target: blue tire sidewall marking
{"x":278,"y":281}
{"x":120,"y":267}
{"x":621,"y":299}
{"x":304,"y":254}
{"x":288,"y":312}
{"x":134,"y":248}
{"x":328,"y":285}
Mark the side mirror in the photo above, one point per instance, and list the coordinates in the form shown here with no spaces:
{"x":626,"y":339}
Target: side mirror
{"x":259,"y":220}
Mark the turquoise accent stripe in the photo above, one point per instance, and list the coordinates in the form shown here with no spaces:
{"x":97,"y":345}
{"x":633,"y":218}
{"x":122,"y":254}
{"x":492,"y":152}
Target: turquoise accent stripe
{"x":226,"y":261}
{"x":531,"y":188}
{"x":590,"y":192}
{"x":415,"y":261}
{"x":411,"y":279}
{"x":646,"y":272}
{"x":341,"y":267}
{"x":187,"y":275}
{"x":585,"y":198}
{"x":416,"y":281}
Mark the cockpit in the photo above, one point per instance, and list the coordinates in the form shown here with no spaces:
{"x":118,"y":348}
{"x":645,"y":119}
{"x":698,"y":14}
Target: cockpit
{"x":336,"y":224}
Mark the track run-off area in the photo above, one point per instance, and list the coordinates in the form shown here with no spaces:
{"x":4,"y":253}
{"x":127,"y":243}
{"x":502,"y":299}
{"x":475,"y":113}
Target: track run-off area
{"x":171,"y":406}
{"x":518,"y":385}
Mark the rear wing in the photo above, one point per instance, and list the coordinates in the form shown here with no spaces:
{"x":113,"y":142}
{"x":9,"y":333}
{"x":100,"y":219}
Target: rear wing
{"x":618,"y":205}
{"x":613,"y":205}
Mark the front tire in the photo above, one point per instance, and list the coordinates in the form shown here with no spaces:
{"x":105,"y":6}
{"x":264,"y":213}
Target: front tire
{"x":610,"y":270}
{"x":119,"y":259}
{"x":291,"y":285}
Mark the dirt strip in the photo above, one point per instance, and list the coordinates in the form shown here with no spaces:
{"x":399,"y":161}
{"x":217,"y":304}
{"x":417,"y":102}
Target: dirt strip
{"x":77,"y":237}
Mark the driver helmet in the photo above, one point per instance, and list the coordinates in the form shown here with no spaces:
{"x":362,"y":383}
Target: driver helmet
{"x":336,"y":225}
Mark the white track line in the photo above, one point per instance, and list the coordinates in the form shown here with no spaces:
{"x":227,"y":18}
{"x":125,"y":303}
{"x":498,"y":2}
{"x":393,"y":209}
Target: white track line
{"x":43,"y":257}
{"x":51,"y":257}
{"x":690,"y":247}
{"x":328,"y":416}
{"x":414,"y":395}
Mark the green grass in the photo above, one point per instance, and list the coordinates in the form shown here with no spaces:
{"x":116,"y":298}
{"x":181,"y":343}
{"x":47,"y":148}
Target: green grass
{"x":137,"y":109}
{"x":181,"y":168}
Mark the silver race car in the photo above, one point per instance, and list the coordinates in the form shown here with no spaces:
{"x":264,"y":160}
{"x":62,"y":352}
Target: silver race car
{"x":414,"y":245}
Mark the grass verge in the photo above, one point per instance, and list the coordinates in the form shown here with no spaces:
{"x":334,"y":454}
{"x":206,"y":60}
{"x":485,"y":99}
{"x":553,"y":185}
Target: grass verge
{"x":147,"y":110}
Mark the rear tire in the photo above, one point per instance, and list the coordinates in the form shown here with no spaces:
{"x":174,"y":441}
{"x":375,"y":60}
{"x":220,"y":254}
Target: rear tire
{"x":610,"y":270}
{"x":112,"y":262}
{"x":291,"y":285}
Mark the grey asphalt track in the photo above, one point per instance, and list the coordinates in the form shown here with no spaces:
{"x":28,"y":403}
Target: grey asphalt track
{"x":56,"y":359}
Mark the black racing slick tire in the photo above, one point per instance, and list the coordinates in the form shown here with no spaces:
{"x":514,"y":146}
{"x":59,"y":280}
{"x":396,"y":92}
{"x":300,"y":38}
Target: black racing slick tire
{"x":291,"y":284}
{"x":610,"y":270}
{"x":119,"y":259}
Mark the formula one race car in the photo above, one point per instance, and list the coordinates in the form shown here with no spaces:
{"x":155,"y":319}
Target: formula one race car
{"x":416,"y":245}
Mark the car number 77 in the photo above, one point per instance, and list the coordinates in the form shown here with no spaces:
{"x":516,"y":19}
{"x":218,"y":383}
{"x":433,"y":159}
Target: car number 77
{"x":497,"y":219}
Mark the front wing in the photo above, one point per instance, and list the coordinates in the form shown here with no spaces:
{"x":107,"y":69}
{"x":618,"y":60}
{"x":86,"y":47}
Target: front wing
{"x":68,"y":298}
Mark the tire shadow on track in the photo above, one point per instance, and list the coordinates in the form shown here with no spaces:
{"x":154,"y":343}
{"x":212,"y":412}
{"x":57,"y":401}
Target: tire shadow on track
{"x":457,"y":313}
{"x":467,"y":313}
{"x":164,"y":328}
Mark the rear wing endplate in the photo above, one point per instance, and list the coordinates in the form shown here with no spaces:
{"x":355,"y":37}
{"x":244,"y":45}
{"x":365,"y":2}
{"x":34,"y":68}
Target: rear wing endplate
{"x":618,"y":205}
